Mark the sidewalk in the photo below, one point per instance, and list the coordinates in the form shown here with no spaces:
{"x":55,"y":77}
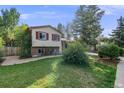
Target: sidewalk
{"x":11,"y":60}
{"x":119,"y":82}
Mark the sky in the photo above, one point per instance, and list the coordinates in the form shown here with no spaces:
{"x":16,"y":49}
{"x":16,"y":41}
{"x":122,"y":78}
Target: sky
{"x":53,"y":14}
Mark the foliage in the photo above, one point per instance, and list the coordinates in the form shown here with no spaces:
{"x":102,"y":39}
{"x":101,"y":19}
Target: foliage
{"x":68,"y":31}
{"x":1,"y":42}
{"x":118,"y":33}
{"x":8,"y":20}
{"x":1,"y":46}
{"x":87,"y":23}
{"x":113,"y":51}
{"x":23,"y":41}
{"x":105,"y":39}
{"x":109,"y":50}
{"x":74,"y":54}
{"x":121,"y":51}
{"x":60,"y":27}
{"x":103,"y":51}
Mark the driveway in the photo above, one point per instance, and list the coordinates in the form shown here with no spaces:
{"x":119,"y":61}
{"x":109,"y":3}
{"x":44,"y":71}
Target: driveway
{"x":11,"y":60}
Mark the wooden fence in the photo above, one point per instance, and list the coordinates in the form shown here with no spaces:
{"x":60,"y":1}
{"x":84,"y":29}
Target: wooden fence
{"x":10,"y":51}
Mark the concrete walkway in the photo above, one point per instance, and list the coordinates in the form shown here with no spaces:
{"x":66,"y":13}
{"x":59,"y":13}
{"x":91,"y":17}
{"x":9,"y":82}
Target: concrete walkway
{"x":92,"y":54}
{"x":119,"y":82}
{"x":11,"y":60}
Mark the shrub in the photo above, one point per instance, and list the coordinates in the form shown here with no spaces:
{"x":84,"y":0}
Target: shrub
{"x":23,"y":41}
{"x":103,"y":51}
{"x":1,"y":46}
{"x":121,"y":51}
{"x":111,"y":51}
{"x":1,"y":55}
{"x":74,"y":54}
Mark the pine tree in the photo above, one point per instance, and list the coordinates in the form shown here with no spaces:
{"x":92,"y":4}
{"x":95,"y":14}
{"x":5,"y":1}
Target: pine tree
{"x":87,"y":23}
{"x":118,"y":33}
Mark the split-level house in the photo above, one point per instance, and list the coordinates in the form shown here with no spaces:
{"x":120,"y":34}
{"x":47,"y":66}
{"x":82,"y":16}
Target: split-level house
{"x":46,"y":40}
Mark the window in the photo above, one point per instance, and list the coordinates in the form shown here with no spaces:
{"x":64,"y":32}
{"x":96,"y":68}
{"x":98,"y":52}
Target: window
{"x":55,"y":37}
{"x":42,"y":35}
{"x":39,"y":50}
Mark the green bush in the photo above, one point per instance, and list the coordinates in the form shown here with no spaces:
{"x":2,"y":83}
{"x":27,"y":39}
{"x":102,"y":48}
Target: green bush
{"x":113,"y":51}
{"x":110,"y":50}
{"x":1,"y":46}
{"x":121,"y":51}
{"x":25,"y":53}
{"x":1,"y":55}
{"x":23,"y":41}
{"x":74,"y":54}
{"x":103,"y":51}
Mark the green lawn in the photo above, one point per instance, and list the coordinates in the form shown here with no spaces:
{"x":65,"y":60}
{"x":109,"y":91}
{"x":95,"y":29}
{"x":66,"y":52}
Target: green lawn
{"x":53,"y":73}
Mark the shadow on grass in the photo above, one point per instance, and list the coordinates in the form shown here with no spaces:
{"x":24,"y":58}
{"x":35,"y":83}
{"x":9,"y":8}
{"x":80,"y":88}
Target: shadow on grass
{"x":50,"y":72}
{"x":24,"y":75}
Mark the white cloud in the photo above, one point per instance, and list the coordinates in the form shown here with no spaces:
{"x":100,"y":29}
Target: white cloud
{"x":112,"y":9}
{"x":117,"y":7}
{"x":108,"y":13}
{"x":46,"y":12}
{"x":43,"y":14}
{"x":25,"y":16}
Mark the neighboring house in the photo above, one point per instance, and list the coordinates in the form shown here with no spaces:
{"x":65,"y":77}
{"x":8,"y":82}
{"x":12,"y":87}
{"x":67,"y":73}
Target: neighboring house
{"x":46,"y":40}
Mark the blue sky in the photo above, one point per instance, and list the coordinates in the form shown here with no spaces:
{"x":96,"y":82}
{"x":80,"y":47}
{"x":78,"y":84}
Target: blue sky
{"x":52,"y":15}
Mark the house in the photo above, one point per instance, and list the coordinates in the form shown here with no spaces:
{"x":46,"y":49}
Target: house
{"x":46,"y":40}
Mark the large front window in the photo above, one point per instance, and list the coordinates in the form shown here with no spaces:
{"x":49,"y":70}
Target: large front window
{"x":43,"y":36}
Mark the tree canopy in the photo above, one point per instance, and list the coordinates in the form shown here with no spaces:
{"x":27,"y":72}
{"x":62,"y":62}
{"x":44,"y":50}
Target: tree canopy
{"x":8,"y":21}
{"x":87,"y":23}
{"x":118,"y":33}
{"x":23,"y":41}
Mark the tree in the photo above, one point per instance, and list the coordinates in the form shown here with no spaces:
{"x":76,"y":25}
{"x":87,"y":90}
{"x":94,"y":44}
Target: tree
{"x":68,"y":31}
{"x":23,"y":41}
{"x":118,"y":33}
{"x":8,"y":20}
{"x":87,"y":23}
{"x":60,"y":27}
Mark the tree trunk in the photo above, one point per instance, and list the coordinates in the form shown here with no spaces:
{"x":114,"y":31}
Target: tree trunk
{"x":95,"y":49}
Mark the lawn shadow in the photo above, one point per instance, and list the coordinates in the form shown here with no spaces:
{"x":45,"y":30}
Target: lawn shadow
{"x":73,"y":76}
{"x":26,"y":75}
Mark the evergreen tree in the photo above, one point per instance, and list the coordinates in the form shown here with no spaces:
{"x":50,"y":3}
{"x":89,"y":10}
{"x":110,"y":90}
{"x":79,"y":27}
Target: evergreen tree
{"x":60,"y":27}
{"x":87,"y":23}
{"x":68,"y":31}
{"x":118,"y":33}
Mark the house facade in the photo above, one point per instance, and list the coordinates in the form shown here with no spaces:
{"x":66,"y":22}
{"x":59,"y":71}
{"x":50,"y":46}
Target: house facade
{"x":46,"y":40}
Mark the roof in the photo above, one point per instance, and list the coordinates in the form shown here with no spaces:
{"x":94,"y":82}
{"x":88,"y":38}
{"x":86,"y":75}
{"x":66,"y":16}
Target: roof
{"x":31,"y":27}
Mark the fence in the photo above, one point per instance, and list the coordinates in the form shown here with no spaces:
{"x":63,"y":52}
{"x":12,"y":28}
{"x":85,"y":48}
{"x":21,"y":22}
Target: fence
{"x":10,"y":51}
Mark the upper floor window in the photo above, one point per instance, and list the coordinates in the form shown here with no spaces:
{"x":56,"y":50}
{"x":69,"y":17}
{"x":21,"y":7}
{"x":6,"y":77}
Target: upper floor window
{"x":42,"y":35}
{"x":55,"y":37}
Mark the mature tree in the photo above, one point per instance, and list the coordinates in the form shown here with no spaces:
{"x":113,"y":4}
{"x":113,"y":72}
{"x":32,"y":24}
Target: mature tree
{"x":60,"y":27}
{"x":8,"y":20}
{"x":23,"y":41}
{"x":68,"y":31}
{"x":87,"y":23}
{"x":118,"y":33}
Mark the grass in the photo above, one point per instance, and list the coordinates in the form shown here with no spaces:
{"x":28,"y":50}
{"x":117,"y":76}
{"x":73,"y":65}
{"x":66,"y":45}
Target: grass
{"x":53,"y":73}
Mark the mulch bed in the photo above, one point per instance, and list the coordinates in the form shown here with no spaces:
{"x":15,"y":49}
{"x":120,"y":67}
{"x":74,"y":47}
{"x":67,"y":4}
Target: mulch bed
{"x":108,"y":61}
